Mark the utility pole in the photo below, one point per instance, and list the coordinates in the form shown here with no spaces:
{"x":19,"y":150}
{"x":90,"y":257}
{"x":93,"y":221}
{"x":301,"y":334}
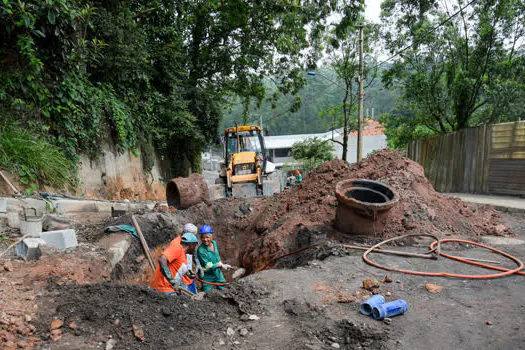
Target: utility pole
{"x":261,"y":123}
{"x":360,"y":98}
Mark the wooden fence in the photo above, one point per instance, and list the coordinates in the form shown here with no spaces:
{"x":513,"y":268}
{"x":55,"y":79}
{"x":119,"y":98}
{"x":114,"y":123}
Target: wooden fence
{"x":486,"y":159}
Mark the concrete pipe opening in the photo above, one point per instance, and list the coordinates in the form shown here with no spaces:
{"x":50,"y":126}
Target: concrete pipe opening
{"x":363,"y":206}
{"x":183,"y":192}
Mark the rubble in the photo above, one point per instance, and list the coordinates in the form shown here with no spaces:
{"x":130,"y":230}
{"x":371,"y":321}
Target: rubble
{"x":433,"y":288}
{"x":8,"y":266}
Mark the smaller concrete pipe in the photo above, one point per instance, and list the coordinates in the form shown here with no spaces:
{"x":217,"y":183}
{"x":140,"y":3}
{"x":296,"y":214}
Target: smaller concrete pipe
{"x":363,"y":206}
{"x":183,"y":192}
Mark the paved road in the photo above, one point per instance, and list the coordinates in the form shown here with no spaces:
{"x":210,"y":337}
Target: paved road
{"x":504,"y":203}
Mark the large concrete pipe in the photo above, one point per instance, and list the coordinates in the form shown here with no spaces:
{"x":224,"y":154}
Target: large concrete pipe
{"x":363,"y":206}
{"x":183,"y":192}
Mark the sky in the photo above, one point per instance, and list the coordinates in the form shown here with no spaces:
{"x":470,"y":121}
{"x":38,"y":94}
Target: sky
{"x":373,"y":10}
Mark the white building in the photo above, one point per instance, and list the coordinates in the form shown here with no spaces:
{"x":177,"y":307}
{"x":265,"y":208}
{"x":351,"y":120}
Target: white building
{"x":374,"y":139}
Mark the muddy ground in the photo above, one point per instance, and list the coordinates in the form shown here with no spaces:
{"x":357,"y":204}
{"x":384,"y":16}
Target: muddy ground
{"x":307,"y":300}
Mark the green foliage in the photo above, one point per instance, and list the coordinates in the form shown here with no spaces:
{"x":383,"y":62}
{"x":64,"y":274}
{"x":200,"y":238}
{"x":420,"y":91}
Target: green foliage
{"x":468,"y":71}
{"x":310,"y":117}
{"x":402,"y":126}
{"x":36,"y":161}
{"x":312,"y":152}
{"x":78,"y":73}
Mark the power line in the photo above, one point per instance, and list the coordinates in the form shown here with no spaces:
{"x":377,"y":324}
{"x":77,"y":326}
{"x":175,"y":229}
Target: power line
{"x":427,"y":33}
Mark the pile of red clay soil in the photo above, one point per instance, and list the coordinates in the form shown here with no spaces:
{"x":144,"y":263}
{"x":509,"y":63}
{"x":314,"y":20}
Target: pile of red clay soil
{"x":252,"y":231}
{"x":282,"y":219}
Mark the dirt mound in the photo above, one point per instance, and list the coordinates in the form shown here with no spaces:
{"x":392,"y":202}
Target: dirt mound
{"x":127,"y":313}
{"x":252,"y":231}
{"x":281,"y":219}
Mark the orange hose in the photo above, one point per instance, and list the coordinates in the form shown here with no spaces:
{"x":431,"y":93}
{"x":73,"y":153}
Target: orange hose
{"x":506,"y":272}
{"x":477,"y":263}
{"x":221,"y":284}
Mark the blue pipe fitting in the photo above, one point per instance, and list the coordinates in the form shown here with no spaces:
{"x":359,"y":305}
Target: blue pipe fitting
{"x":367,"y":306}
{"x":390,"y":309}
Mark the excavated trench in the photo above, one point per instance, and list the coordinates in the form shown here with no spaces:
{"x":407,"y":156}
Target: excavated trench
{"x":251,"y":233}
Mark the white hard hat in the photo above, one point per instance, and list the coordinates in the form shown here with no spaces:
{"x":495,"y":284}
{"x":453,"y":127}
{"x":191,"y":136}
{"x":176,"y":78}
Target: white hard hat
{"x":191,"y":228}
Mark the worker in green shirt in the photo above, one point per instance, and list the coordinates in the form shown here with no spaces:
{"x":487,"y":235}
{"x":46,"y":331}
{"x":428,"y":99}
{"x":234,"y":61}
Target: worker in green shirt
{"x":209,"y":260}
{"x":298,"y":177}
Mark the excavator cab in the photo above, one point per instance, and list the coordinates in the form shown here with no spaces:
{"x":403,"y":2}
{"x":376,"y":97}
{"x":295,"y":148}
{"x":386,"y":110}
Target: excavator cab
{"x":245,"y":162}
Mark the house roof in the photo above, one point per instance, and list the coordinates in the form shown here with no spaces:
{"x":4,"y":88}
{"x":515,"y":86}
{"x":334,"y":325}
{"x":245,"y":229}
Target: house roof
{"x":286,"y":141}
{"x":371,"y":128}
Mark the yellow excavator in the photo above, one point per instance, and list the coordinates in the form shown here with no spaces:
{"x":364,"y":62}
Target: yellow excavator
{"x":244,"y":172}
{"x":245,"y":166}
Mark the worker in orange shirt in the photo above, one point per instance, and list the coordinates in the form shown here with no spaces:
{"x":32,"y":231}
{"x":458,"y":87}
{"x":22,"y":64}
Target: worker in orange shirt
{"x":172,"y":272}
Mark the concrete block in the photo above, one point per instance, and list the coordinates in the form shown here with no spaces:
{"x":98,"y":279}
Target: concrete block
{"x":61,"y":239}
{"x":29,"y":248}
{"x":30,"y":226}
{"x":13,"y":219}
{"x":56,"y":222}
{"x":3,"y":205}
{"x":119,"y":210}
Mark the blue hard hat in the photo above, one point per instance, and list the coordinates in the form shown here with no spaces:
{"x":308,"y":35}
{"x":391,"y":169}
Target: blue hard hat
{"x":205,"y":229}
{"x":189,"y":238}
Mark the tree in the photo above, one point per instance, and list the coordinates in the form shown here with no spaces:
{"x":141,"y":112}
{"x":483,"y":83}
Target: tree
{"x":460,"y":60}
{"x":343,"y":56}
{"x":312,"y":152}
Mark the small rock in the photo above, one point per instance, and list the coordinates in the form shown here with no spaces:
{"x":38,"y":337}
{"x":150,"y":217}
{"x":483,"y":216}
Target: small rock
{"x":236,"y":342}
{"x":253,"y":317}
{"x":8,"y":266}
{"x":73,"y":325}
{"x":388,"y":293}
{"x":27,"y":318}
{"x":433,"y":288}
{"x":221,"y":342}
{"x":110,"y":344}
{"x":388,"y":279}
{"x":335,"y":345}
{"x":370,"y":284}
{"x":500,"y":229}
{"x":116,"y":322}
{"x":172,"y":329}
{"x":230,"y":331}
{"x":387,"y":320}
{"x":243,"y":332}
{"x":488,"y":323}
{"x":140,"y":259}
{"x":138,"y":333}
{"x":56,"y":324}
{"x":398,"y":281}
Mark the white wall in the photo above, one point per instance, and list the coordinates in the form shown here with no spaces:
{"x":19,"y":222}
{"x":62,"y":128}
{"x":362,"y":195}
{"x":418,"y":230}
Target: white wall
{"x":112,"y":172}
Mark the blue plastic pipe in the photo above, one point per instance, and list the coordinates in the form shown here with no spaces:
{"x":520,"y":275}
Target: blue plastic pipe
{"x":368,"y":305}
{"x":390,"y":309}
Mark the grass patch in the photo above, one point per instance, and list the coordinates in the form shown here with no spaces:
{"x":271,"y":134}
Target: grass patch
{"x":35,"y":160}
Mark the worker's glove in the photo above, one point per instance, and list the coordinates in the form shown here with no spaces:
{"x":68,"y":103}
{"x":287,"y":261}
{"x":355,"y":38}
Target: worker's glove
{"x":219,"y":265}
{"x":226,"y":266}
